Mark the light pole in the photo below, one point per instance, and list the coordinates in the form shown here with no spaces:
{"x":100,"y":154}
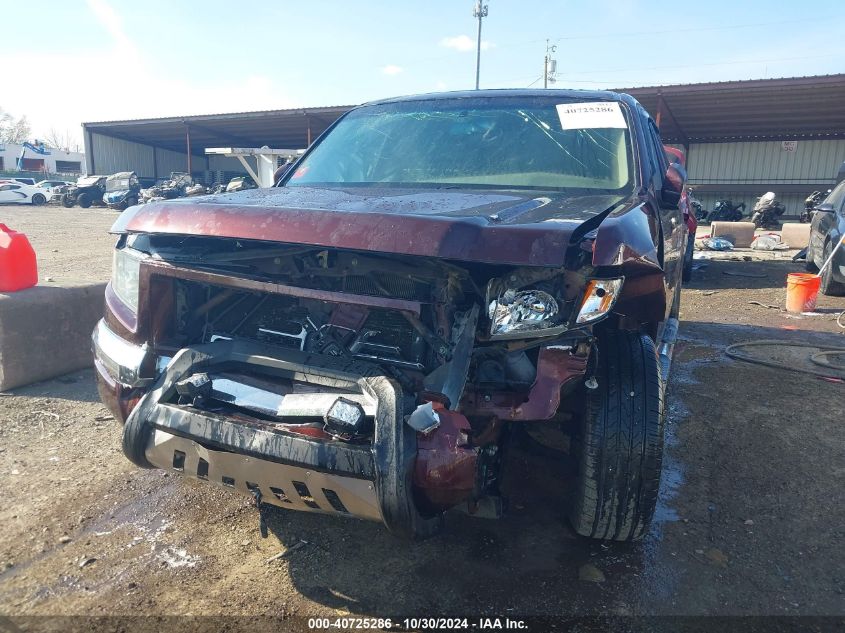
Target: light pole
{"x":480,"y":11}
{"x":549,"y":66}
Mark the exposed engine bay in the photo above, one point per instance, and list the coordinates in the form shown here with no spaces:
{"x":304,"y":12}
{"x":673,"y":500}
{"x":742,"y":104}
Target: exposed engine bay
{"x":407,"y":315}
{"x":470,"y":345}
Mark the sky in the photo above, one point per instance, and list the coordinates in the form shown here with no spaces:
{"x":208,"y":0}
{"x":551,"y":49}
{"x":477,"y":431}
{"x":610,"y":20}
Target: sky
{"x":97,"y":60}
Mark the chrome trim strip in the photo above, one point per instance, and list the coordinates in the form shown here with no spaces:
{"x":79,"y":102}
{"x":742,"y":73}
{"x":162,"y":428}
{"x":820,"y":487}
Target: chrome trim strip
{"x":129,"y":364}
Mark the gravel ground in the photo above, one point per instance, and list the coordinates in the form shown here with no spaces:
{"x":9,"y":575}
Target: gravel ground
{"x":72,"y":245}
{"x":749,"y":520}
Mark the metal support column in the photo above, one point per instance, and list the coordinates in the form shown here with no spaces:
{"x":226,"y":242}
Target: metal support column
{"x":188,"y":145}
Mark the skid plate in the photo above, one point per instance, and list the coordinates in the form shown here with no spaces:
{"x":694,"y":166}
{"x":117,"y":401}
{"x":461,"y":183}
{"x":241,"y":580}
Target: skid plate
{"x":282,"y":485}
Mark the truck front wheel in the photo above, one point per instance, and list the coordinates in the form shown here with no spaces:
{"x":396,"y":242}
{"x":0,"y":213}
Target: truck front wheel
{"x":621,"y":441}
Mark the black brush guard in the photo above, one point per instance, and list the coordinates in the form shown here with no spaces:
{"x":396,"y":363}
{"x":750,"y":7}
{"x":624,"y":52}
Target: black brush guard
{"x":388,"y":462}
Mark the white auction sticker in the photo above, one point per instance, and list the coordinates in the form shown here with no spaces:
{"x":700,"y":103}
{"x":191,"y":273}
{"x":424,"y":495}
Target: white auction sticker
{"x":583,"y":116}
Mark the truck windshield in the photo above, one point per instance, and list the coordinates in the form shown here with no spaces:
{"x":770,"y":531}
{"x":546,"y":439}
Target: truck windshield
{"x":513,"y":143}
{"x":118,"y":184}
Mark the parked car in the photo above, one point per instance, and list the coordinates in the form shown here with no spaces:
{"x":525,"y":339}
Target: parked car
{"x":827,"y":228}
{"x":23,"y":181}
{"x":435,"y":271}
{"x":17,"y":192}
{"x":50,"y":185}
{"x":122,"y":190}
{"x":88,"y":190}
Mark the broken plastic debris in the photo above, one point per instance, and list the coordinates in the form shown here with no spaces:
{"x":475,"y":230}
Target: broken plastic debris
{"x":717,"y":244}
{"x":768,"y":243}
{"x":424,"y":419}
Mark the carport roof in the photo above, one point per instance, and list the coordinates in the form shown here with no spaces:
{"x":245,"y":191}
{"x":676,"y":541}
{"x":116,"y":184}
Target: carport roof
{"x":287,"y":129}
{"x":758,"y":109}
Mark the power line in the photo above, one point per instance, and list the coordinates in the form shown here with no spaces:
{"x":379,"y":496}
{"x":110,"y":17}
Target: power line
{"x":817,"y":19}
{"x":498,"y":47}
{"x":731,"y":63}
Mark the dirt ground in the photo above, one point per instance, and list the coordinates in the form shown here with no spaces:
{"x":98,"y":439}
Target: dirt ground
{"x":72,"y":245}
{"x":749,"y":520}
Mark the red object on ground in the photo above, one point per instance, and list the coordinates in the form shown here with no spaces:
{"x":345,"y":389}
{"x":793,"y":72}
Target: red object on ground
{"x":18,"y":267}
{"x":802,"y":289}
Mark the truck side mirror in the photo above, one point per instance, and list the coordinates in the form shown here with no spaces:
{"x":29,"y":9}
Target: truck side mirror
{"x":673,"y":185}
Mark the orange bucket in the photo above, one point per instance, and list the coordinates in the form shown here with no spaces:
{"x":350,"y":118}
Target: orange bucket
{"x":802,"y":290}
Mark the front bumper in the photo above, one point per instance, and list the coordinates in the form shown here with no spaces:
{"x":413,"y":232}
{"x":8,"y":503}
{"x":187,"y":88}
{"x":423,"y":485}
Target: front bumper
{"x":369,"y":481}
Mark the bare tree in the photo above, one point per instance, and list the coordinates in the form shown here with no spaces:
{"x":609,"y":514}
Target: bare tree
{"x":59,"y":140}
{"x":13,"y":130}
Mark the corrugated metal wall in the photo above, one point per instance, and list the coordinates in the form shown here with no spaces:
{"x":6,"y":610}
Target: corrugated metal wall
{"x":765,"y":162}
{"x":731,"y":170}
{"x":112,"y":155}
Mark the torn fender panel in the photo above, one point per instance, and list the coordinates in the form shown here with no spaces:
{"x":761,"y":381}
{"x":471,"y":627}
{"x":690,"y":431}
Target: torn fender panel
{"x":627,"y":238}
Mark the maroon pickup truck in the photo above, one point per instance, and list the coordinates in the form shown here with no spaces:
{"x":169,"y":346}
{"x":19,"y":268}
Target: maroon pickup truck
{"x":433,"y":273}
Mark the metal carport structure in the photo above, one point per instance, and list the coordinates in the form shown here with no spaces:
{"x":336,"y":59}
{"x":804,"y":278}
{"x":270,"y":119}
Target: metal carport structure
{"x":159,"y":139}
{"x":734,"y":134}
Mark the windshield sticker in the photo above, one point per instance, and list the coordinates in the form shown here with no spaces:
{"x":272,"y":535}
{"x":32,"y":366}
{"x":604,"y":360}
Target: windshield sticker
{"x":584,"y":116}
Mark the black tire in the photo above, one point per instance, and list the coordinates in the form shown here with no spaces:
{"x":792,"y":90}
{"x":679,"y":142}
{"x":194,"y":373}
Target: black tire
{"x":39,"y":199}
{"x":131,"y":201}
{"x":829,"y":285}
{"x":67,"y":202}
{"x":84,"y":200}
{"x":809,"y":263}
{"x":687,"y":272}
{"x":621,"y":441}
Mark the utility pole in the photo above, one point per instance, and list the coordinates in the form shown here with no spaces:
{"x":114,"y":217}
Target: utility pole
{"x":480,"y":11}
{"x":549,"y":66}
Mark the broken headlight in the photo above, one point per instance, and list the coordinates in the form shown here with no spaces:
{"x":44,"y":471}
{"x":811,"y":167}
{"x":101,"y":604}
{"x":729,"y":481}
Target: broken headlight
{"x":126,"y":272}
{"x":522,"y":312}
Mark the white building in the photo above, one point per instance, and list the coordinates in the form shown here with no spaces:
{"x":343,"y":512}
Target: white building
{"x":55,"y":161}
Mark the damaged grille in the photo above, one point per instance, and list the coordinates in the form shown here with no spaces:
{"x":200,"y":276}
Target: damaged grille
{"x":208,"y":313}
{"x":385,"y":286}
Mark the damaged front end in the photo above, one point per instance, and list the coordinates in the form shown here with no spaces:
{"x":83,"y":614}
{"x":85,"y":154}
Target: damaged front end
{"x":340,"y":381}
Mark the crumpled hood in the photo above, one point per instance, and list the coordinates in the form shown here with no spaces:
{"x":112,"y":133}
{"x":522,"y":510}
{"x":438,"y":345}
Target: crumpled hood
{"x":491,"y":227}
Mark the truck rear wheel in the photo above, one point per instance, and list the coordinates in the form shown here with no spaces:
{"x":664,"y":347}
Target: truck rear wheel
{"x":84,"y":200}
{"x":809,"y":262}
{"x":829,"y":286}
{"x":67,"y":201}
{"x":621,"y":441}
